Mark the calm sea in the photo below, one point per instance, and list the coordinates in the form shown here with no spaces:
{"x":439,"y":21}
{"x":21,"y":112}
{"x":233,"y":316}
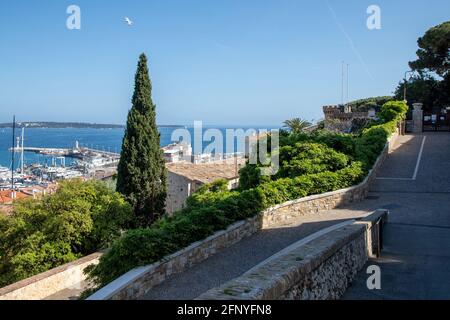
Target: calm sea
{"x":102,"y":139}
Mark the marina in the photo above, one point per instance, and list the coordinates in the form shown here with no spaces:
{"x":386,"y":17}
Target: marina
{"x":41,"y":166}
{"x":84,"y":163}
{"x":34,"y":160}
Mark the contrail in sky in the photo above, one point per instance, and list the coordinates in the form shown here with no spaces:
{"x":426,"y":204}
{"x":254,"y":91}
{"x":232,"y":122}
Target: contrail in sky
{"x":349,"y":39}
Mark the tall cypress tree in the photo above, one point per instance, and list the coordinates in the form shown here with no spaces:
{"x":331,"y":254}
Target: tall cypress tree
{"x":141,"y":175}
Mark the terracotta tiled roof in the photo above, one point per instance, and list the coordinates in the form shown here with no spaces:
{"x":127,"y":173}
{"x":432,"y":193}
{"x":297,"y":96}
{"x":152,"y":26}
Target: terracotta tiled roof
{"x":6,"y":197}
{"x":207,"y":172}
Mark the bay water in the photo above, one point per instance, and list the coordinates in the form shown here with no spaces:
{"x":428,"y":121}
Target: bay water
{"x":100,"y":139}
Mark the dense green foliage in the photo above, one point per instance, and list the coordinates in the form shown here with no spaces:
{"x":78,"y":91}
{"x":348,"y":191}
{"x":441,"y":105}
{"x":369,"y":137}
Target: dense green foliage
{"x":422,"y":89}
{"x":307,"y":158}
{"x":250,"y":176}
{"x":310,"y":164}
{"x":296,"y":125}
{"x":432,"y":86}
{"x":434,"y":51}
{"x":141,"y":176}
{"x":80,"y":218}
{"x":363,"y":105}
{"x":372,"y":140}
{"x":392,"y":111}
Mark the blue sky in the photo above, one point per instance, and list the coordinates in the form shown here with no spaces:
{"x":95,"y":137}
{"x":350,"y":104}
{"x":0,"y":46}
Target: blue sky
{"x":239,"y":62}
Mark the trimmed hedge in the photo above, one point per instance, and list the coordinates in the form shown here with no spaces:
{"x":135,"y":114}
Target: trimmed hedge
{"x":213,"y":207}
{"x":373,"y":139}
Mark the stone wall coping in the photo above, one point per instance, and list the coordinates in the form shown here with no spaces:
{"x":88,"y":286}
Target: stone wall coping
{"x":199,"y":243}
{"x":47,"y":274}
{"x":120,"y":283}
{"x":300,"y":243}
{"x":273,"y":278}
{"x":375,"y":216}
{"x":314,"y":197}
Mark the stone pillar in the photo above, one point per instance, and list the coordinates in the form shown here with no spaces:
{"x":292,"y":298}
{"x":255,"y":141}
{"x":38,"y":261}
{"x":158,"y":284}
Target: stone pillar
{"x":417,"y":118}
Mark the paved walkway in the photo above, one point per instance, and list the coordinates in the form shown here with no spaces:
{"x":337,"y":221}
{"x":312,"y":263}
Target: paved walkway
{"x":415,"y":262}
{"x":239,"y":258}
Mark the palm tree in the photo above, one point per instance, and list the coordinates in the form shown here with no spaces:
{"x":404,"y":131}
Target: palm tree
{"x":296,"y":125}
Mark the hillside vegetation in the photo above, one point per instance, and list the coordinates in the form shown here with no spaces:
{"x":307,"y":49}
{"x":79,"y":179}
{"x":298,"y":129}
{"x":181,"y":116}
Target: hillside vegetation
{"x":363,"y":105}
{"x":79,"y":219}
{"x":309,"y":164}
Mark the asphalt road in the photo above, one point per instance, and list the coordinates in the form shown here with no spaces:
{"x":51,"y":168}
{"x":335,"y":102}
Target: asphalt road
{"x":415,"y":262}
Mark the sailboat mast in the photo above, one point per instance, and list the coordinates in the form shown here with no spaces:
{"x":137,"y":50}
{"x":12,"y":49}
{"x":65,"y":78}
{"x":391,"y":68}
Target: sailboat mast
{"x":13,"y":152}
{"x":21,"y":156}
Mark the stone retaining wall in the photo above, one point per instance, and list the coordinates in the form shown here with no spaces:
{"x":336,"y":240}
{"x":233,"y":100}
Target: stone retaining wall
{"x":46,"y":284}
{"x":135,"y":283}
{"x":320,"y":269}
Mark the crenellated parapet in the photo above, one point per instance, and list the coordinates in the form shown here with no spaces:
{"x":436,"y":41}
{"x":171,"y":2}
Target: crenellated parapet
{"x":341,"y":118}
{"x":331,"y":110}
{"x":342,"y":112}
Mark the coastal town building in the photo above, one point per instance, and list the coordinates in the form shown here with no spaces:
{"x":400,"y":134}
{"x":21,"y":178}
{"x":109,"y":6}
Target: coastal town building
{"x":177,"y":152}
{"x":184,"y":178}
{"x":7,"y":197}
{"x":182,"y":152}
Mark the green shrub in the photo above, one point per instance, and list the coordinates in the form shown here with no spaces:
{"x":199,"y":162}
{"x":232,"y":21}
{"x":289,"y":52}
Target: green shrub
{"x":208,"y":193}
{"x":307,"y":158}
{"x":298,"y":159}
{"x":344,"y":143}
{"x":290,"y":139}
{"x":242,"y":205}
{"x":392,"y":110}
{"x":136,"y":247}
{"x":363,"y":105}
{"x":373,"y":139}
{"x":250,"y":177}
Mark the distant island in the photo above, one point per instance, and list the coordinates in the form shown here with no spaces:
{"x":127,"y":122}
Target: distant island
{"x":63,"y":125}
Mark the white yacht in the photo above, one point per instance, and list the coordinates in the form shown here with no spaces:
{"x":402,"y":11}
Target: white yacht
{"x":4,"y":170}
{"x":5,"y":174}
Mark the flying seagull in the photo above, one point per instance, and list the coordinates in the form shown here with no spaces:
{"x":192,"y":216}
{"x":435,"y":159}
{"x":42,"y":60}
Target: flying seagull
{"x":128,"y":21}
